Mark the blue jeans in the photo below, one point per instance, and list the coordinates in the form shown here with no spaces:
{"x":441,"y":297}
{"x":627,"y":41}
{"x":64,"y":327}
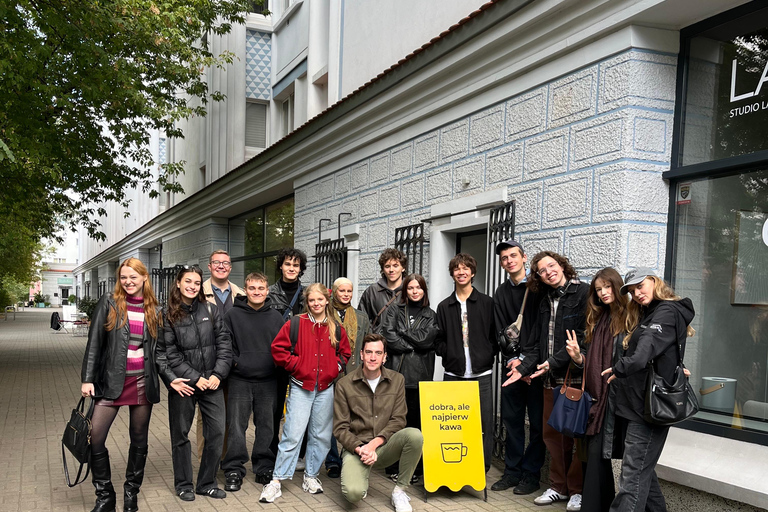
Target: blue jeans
{"x":638,"y":486}
{"x":310,"y":411}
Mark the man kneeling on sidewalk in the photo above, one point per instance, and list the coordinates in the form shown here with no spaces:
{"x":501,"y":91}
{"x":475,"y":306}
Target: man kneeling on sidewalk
{"x":369,"y":421}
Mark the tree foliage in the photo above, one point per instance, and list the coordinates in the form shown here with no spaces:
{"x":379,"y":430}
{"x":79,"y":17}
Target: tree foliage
{"x":84,"y":84}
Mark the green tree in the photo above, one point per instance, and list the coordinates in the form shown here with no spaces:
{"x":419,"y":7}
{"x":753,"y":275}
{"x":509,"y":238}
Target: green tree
{"x":84,"y":84}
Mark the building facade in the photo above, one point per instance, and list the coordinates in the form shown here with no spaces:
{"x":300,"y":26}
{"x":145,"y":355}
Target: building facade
{"x":620,"y":134}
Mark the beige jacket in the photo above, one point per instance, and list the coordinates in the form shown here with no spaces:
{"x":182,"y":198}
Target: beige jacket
{"x":235,"y":291}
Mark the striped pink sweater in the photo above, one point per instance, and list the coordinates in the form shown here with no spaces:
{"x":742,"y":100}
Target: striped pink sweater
{"x":135,"y":364}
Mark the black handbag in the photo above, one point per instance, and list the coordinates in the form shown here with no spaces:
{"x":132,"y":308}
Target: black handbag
{"x":667,"y":404}
{"x":77,"y":439}
{"x":570,"y":411}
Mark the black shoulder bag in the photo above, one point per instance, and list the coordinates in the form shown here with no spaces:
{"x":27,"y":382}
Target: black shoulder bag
{"x":667,"y":404}
{"x":77,"y":439}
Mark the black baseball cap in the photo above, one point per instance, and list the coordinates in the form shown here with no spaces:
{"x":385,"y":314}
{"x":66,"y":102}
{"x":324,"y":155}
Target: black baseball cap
{"x":506,"y":244}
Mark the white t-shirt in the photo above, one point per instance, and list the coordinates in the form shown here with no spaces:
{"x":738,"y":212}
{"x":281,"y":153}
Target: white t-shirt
{"x":374,"y":382}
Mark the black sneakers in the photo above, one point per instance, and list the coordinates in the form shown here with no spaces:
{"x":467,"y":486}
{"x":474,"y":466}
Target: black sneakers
{"x":233,"y":483}
{"x":528,"y":484}
{"x":505,"y":483}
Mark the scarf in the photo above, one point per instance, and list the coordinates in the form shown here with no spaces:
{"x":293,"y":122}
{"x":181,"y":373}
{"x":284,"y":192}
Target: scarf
{"x":349,"y":323}
{"x":598,"y":358}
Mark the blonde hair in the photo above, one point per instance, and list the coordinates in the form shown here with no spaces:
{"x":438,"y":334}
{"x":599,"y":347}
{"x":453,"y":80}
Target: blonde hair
{"x":152,"y":319}
{"x":340,"y":281}
{"x":661,"y":291}
{"x":330,"y":318}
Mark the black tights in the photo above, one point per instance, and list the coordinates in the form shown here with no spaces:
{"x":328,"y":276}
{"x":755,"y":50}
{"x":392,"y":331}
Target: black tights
{"x":104,"y":415}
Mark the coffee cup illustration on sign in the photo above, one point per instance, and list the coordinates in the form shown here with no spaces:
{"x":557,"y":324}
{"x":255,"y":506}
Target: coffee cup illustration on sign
{"x":453,"y":452}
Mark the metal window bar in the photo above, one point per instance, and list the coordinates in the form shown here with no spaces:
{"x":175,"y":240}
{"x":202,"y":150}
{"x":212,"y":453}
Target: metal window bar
{"x":330,"y":261}
{"x":410,"y":240}
{"x":162,"y":281}
{"x":102,"y":288}
{"x":501,"y":226}
{"x":111,"y":282}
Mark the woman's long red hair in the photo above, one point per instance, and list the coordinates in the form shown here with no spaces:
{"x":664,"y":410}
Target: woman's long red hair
{"x":118,"y":318}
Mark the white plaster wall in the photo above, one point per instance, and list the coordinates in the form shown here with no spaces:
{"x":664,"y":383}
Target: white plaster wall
{"x":385,"y":26}
{"x":581,"y":155}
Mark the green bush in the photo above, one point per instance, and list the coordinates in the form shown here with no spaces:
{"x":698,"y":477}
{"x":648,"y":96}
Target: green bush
{"x":87,"y":305}
{"x":72,"y":299}
{"x":39,"y":297}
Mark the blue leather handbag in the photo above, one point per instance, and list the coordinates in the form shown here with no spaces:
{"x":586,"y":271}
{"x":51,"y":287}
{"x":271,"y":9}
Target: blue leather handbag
{"x":570,"y":411}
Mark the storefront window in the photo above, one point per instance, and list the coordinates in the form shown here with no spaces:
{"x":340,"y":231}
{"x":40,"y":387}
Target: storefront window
{"x":254,"y":240}
{"x":726,"y":96}
{"x":721,"y":263}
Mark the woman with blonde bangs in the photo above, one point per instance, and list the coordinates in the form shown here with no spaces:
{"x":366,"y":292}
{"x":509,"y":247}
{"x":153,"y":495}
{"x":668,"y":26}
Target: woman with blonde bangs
{"x":314,"y":360}
{"x":658,"y":323}
{"x":605,"y":330}
{"x":119,"y":368}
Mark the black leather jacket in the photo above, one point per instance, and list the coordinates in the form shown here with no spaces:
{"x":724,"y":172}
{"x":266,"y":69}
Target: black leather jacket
{"x":410,"y":348}
{"x":280,"y":300}
{"x":198,"y":345}
{"x":106,"y":354}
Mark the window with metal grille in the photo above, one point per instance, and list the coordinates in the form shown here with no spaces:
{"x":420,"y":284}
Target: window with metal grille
{"x":410,"y":240}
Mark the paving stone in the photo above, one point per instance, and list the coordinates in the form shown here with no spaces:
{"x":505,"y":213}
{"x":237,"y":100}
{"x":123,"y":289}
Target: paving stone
{"x":40,"y":375}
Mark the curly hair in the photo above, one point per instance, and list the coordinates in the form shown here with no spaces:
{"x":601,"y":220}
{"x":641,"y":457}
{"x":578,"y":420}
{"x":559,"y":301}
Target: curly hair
{"x":534,"y":279}
{"x":392,"y":254}
{"x":118,"y":318}
{"x":292,"y":253}
{"x":596,"y":309}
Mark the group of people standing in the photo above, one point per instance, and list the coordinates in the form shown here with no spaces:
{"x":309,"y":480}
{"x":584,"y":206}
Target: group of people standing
{"x":234,"y":353}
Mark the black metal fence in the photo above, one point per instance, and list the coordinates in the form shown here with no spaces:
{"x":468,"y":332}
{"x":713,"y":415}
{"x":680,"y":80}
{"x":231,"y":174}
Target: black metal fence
{"x":330,"y":261}
{"x":162,"y":281}
{"x":501,"y":226}
{"x":410,"y":240}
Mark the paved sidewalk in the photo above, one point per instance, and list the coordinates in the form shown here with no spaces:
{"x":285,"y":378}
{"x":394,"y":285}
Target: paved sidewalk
{"x":40,"y":380}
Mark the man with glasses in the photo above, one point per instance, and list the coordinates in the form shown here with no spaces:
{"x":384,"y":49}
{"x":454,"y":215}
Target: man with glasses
{"x":218,"y":289}
{"x":562,"y":309}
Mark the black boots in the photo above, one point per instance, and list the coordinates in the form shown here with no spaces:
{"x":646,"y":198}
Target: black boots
{"x":102,"y":481}
{"x":134,"y":475}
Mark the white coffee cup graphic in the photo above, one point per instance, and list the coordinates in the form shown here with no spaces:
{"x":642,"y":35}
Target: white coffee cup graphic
{"x":453,"y":452}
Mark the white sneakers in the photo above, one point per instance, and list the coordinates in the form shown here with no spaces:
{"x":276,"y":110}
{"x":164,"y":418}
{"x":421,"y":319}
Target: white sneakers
{"x":271,"y":492}
{"x":401,"y":501}
{"x":551,"y":496}
{"x":312,"y":485}
{"x":273,"y":489}
{"x":574,"y":504}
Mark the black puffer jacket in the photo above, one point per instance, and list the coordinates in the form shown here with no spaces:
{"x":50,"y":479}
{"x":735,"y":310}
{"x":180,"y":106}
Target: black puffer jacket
{"x":106,"y":355}
{"x":197,"y":345}
{"x":410,"y":348}
{"x":663,"y":326}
